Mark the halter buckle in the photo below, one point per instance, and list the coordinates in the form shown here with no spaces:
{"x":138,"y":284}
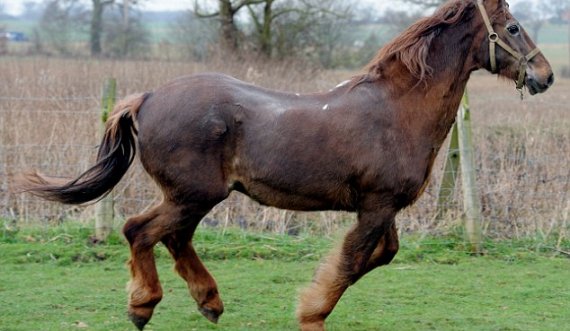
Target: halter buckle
{"x":493,"y":37}
{"x":521,"y":92}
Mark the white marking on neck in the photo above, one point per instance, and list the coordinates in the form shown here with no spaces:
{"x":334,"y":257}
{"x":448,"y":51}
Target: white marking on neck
{"x":325,"y":107}
{"x":343,"y":83}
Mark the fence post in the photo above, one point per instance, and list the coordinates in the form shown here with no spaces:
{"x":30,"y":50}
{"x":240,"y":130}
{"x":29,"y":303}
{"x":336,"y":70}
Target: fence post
{"x":471,"y":203}
{"x":105,"y":207}
{"x":450,"y":172}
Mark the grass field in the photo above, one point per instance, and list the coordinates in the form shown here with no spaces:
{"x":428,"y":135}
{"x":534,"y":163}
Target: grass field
{"x":53,"y":279}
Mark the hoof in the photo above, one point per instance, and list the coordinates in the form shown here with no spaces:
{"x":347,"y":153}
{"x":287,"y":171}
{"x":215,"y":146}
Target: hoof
{"x":210,"y":314}
{"x":138,"y":321}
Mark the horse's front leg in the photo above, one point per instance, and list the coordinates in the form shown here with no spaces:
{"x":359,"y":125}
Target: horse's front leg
{"x":385,"y":251}
{"x":201,"y":284}
{"x":345,"y":266}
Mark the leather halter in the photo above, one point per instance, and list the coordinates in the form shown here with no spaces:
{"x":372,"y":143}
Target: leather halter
{"x":495,"y":40}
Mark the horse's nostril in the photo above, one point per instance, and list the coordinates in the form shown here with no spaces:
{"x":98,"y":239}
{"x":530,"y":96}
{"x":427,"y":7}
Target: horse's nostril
{"x":550,"y":80}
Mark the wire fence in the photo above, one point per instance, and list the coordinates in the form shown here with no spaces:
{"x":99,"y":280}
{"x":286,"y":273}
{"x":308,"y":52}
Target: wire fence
{"x":523,"y":190}
{"x":522,"y":154}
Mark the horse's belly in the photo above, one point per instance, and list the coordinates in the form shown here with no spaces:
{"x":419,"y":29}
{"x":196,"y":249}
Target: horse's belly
{"x":273,"y":197}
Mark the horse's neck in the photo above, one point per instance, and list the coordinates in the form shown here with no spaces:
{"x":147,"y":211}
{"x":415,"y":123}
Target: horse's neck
{"x":439,"y":97}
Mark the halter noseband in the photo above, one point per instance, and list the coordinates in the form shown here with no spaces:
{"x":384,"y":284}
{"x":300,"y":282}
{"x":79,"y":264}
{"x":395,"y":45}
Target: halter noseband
{"x":495,"y":40}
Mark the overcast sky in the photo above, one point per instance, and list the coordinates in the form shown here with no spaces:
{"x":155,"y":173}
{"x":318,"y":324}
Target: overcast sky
{"x":15,"y":6}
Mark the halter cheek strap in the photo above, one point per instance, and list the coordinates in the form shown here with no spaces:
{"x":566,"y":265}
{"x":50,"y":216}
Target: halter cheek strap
{"x":494,"y":40}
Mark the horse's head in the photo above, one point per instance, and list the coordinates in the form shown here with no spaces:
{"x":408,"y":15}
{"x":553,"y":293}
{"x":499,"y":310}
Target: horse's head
{"x":506,"y":48}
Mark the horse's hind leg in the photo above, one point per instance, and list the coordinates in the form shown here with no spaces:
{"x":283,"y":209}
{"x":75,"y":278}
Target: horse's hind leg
{"x":142,"y":233}
{"x":345,"y":266}
{"x":201,"y":284}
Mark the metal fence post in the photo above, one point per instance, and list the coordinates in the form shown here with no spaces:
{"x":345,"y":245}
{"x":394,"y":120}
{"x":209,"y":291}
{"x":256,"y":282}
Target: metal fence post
{"x":105,"y":207}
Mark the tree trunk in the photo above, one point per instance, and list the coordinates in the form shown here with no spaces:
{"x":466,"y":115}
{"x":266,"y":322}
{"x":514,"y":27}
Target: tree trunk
{"x":126,"y":14}
{"x":96,"y":27}
{"x":125,"y":26}
{"x":265,"y":33}
{"x":229,"y":31}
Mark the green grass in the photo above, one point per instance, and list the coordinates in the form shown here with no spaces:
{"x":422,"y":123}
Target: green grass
{"x":54,"y":279}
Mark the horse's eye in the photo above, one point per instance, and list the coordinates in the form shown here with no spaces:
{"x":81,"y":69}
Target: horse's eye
{"x":513,"y":29}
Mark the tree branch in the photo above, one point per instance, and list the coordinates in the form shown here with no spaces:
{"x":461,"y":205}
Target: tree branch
{"x":255,"y":18}
{"x":312,"y":9}
{"x":203,"y":15}
{"x":286,"y":11}
{"x":246,"y":3}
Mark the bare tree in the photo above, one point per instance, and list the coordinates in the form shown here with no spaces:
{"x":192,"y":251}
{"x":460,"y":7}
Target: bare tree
{"x":130,"y":32}
{"x":97,"y":25}
{"x":263,"y":25}
{"x":125,"y":34}
{"x":295,"y":24}
{"x":194,"y":35}
{"x":279,"y":26}
{"x":60,"y":22}
{"x":317,"y":31}
{"x":226,"y":14}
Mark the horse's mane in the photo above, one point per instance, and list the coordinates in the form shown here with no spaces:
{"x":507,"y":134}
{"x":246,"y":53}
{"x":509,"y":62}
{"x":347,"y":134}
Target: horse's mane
{"x":412,"y":46}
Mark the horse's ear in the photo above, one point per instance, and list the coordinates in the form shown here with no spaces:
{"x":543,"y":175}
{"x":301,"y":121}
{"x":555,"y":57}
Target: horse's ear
{"x":451,"y":12}
{"x":456,"y":12}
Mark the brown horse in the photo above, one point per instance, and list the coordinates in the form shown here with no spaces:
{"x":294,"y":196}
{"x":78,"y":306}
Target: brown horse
{"x":366,"y":146}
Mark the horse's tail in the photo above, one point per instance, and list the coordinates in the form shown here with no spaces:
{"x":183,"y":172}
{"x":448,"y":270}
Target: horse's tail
{"x":115,"y":155}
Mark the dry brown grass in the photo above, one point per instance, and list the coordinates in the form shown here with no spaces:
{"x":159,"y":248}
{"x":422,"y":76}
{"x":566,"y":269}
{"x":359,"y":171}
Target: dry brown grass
{"x":49,"y":120}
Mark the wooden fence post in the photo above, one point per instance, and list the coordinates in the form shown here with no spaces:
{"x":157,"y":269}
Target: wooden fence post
{"x":105,"y":207}
{"x":450,"y":173}
{"x":471,"y":203}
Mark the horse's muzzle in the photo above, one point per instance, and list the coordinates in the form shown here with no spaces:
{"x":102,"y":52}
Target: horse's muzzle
{"x":535,"y":85}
